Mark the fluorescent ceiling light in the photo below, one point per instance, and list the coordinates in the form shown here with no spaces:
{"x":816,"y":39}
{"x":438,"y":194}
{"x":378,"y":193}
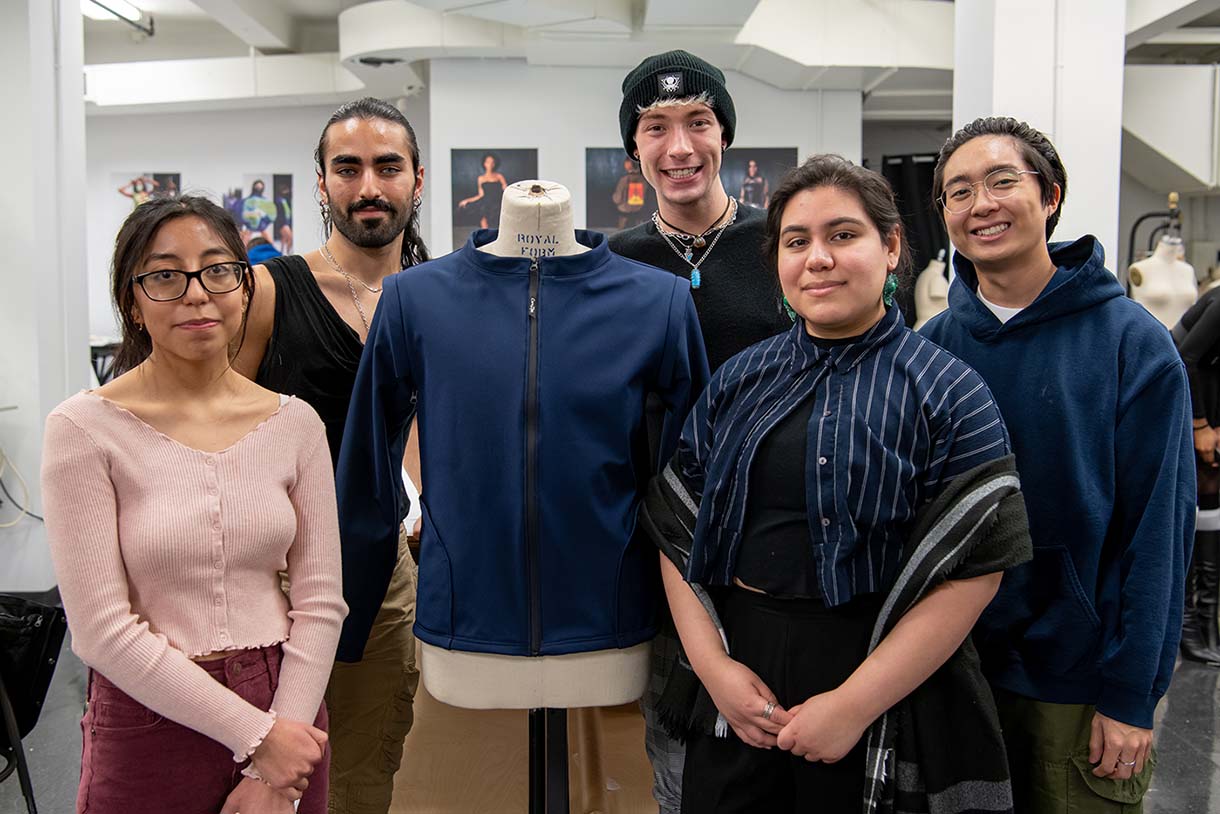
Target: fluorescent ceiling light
{"x":112,"y":9}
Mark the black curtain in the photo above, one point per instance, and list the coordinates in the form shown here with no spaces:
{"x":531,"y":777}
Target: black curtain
{"x":911,"y":178}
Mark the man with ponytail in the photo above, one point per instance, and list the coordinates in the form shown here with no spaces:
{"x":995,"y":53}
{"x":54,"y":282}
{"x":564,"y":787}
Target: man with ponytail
{"x":306,"y":332}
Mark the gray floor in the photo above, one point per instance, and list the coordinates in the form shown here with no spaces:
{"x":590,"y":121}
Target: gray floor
{"x":1187,"y":780}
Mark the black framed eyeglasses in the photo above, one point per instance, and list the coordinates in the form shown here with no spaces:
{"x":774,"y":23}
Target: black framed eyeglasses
{"x":959,"y":196}
{"x":165,"y":285}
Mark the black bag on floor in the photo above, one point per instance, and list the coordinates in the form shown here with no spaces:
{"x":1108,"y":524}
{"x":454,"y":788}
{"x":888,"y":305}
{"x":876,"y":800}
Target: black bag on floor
{"x":31,"y":635}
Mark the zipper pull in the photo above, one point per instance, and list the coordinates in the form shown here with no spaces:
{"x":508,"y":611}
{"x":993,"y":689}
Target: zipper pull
{"x":533,"y":299}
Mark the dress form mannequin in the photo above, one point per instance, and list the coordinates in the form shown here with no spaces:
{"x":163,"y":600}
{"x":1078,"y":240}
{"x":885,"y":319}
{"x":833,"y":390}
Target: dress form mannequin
{"x":1163,"y":283}
{"x":535,"y":221}
{"x":931,"y":291}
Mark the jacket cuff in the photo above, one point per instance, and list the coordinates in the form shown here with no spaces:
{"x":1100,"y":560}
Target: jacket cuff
{"x":1132,"y":707}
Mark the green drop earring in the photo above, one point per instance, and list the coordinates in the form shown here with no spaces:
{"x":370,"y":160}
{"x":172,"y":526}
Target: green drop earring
{"x":889,"y":289}
{"x":789,"y":310}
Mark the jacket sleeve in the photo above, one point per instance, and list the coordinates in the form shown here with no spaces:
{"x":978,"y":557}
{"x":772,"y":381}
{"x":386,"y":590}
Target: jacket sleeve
{"x":316,"y":596}
{"x":684,"y":371}
{"x":1196,"y":341}
{"x":1152,"y":531}
{"x":371,"y":497}
{"x":82,"y":510}
{"x":968,"y":430}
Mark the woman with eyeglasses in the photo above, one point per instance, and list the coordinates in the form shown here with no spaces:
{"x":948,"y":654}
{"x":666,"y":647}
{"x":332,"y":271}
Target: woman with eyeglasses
{"x":839,"y":512}
{"x":175,"y":496}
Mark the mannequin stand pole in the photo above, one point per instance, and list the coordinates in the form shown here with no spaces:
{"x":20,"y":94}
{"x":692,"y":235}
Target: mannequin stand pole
{"x":548,"y":761}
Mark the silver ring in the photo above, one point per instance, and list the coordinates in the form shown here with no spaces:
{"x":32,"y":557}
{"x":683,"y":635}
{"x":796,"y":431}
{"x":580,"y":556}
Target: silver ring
{"x":1125,"y":763}
{"x":768,"y":709}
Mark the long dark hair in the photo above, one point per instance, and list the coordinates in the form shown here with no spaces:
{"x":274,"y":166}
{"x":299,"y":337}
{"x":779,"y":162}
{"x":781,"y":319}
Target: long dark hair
{"x":828,"y":170}
{"x":1036,"y":149}
{"x":413,"y":249}
{"x":130,"y":249}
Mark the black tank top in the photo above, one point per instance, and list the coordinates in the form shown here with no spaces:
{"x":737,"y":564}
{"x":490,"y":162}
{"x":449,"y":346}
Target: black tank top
{"x":312,"y":354}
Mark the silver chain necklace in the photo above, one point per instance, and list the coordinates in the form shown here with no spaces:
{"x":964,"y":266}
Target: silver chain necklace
{"x":355,"y":299}
{"x":330,"y":258}
{"x":696,"y":277}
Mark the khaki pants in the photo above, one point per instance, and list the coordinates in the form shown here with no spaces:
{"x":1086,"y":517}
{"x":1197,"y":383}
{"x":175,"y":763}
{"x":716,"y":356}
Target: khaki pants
{"x":1048,"y":755}
{"x":371,"y":702}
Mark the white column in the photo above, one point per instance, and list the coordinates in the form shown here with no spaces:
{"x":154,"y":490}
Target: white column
{"x":1059,"y":66}
{"x":44,"y":343}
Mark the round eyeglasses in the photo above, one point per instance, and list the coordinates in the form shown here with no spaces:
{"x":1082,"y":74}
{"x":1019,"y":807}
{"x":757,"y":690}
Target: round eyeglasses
{"x":165,"y":285}
{"x":959,"y":196}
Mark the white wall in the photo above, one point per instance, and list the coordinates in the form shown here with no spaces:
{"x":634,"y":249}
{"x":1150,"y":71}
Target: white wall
{"x":899,"y":138}
{"x":212,"y":151}
{"x":561,"y":111}
{"x":44,"y":352}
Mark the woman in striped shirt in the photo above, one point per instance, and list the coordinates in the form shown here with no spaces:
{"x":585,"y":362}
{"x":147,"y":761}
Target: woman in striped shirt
{"x":802,"y":467}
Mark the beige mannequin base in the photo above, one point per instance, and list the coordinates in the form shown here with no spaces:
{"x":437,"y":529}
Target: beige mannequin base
{"x":601,"y":678}
{"x":1163,"y":284}
{"x":931,"y":292}
{"x":535,"y":221}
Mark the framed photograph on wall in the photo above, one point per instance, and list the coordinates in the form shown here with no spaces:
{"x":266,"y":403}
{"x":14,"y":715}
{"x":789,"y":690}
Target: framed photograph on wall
{"x":478,"y":179}
{"x":616,"y":195}
{"x":750,"y":173}
{"x":262,"y":208}
{"x":139,"y":187}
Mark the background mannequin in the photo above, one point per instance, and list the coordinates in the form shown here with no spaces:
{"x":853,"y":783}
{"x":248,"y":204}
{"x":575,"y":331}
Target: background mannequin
{"x":535,"y":221}
{"x":931,"y":290}
{"x":1164,"y":284}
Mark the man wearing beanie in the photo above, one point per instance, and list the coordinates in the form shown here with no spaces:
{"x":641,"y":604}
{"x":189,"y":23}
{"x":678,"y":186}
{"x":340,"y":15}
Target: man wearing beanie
{"x":677,"y":119}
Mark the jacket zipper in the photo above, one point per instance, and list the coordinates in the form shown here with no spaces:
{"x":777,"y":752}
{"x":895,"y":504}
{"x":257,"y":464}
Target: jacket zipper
{"x":531,"y":468}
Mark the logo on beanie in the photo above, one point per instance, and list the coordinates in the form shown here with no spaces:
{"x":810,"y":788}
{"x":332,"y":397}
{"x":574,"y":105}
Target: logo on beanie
{"x":670,"y":83}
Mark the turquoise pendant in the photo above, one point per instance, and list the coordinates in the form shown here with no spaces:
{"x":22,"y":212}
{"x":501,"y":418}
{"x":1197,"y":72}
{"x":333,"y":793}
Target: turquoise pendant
{"x":694,"y":278}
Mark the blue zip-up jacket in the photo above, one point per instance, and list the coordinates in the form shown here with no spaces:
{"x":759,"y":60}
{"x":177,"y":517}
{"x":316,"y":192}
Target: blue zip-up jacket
{"x":530,"y":379}
{"x":1095,"y":399}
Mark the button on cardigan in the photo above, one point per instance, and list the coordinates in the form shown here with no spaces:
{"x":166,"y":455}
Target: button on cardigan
{"x":164,"y":552}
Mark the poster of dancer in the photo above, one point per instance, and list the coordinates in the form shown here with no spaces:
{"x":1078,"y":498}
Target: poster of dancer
{"x":262,"y":208}
{"x":139,"y":187}
{"x":479,"y":178}
{"x":616,"y":195}
{"x":750,"y":174}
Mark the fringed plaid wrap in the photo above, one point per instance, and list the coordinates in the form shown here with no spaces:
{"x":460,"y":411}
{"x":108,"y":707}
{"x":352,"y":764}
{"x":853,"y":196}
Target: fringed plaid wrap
{"x":939,"y":750}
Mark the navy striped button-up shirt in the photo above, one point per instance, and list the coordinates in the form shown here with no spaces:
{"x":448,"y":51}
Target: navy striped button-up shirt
{"x":894,"y":419}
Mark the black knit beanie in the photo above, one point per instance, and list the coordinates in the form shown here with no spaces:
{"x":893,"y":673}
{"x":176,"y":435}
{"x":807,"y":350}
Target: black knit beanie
{"x":676,"y":75}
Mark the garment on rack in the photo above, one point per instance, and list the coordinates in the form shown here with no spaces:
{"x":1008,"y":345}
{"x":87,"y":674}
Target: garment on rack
{"x":530,"y":379}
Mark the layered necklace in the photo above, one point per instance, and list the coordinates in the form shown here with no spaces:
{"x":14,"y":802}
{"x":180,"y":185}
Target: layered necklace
{"x":684,"y":244}
{"x":330,"y":258}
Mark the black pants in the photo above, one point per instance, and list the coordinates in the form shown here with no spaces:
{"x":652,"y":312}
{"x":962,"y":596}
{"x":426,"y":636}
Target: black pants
{"x":800,"y":648}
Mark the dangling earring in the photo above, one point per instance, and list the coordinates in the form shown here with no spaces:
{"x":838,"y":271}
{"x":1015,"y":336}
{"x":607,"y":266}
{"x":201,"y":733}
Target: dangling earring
{"x":324,"y":207}
{"x":788,"y":308}
{"x":416,"y":203}
{"x":890,"y":287}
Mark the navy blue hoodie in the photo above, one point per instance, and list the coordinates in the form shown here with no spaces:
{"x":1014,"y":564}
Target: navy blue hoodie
{"x":1095,"y":398}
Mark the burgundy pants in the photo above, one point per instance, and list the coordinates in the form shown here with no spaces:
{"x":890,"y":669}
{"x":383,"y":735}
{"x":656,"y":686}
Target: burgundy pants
{"x":135,"y":761}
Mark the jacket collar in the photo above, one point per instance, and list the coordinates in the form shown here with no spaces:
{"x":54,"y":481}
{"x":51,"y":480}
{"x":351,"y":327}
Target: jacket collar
{"x":806,"y":354}
{"x":598,"y":255}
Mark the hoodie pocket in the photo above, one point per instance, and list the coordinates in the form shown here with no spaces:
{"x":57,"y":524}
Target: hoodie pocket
{"x":434,"y":590}
{"x":1045,"y":615}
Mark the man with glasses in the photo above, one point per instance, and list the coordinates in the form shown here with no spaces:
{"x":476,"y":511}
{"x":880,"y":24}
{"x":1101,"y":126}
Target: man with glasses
{"x":308,"y":321}
{"x":1079,"y":644}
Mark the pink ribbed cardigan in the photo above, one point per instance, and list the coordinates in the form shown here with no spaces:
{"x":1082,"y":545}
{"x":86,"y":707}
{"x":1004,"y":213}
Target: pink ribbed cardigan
{"x":164,"y":552}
